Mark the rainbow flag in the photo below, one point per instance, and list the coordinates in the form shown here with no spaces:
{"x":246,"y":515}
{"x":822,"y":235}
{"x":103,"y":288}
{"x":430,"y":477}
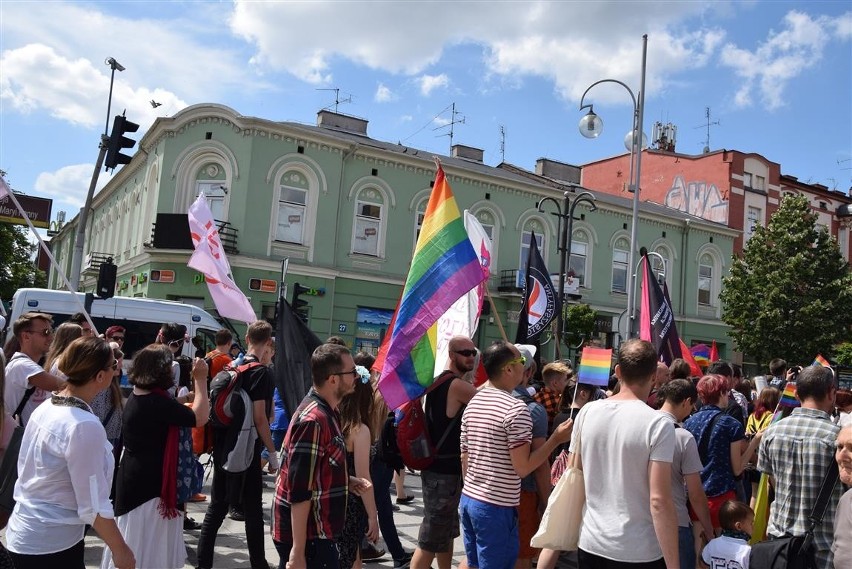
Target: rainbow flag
{"x":821,"y":361}
{"x":444,"y":267}
{"x":594,"y":366}
{"x":701,"y":354}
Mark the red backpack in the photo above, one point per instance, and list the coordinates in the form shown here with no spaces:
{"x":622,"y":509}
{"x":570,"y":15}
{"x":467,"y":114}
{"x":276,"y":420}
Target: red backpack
{"x":412,"y":431}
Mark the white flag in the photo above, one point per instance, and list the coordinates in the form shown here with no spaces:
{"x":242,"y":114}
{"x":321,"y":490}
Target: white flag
{"x":210,"y":260}
{"x":462,"y":319}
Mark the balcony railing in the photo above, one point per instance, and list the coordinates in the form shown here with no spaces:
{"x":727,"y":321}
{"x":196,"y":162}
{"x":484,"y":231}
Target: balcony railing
{"x":509,"y":281}
{"x":93,"y":261}
{"x":171,"y":231}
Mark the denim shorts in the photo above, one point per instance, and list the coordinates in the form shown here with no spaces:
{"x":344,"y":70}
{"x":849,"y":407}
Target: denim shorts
{"x":440,"y":526}
{"x":490,"y":534}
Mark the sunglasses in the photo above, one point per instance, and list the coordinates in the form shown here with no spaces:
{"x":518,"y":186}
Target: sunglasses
{"x":176,"y":343}
{"x":359,"y":371}
{"x":117,"y":338}
{"x":43,"y":331}
{"x":466,"y":353}
{"x":519,"y":360}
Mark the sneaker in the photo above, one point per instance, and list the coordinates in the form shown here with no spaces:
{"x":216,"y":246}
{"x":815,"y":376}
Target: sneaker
{"x":371,"y":553}
{"x":237,"y":515}
{"x":403,"y":563}
{"x":189,"y":524}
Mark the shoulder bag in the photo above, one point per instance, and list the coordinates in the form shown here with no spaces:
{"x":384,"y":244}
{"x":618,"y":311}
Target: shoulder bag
{"x":560,"y":525}
{"x":796,"y":552}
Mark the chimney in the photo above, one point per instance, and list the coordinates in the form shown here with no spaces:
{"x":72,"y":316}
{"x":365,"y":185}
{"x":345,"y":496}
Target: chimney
{"x":467,"y":152}
{"x":557,"y":170}
{"x":337,"y":121}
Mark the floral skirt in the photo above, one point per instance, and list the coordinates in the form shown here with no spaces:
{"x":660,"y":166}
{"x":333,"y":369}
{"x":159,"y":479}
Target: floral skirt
{"x":354,"y":528}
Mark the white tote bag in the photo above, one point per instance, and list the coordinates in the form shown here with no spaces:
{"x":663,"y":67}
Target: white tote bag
{"x":560,"y":525}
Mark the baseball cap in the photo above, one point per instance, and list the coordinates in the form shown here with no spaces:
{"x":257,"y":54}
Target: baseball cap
{"x":528,"y":351}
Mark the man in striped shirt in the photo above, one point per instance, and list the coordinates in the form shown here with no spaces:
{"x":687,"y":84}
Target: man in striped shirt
{"x":496,"y":433}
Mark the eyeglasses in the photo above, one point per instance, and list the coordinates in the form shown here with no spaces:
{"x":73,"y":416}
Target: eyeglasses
{"x":117,"y":338}
{"x":353,"y":371}
{"x":466,"y":353}
{"x":176,"y":343}
{"x":519,"y":360}
{"x":43,"y":331}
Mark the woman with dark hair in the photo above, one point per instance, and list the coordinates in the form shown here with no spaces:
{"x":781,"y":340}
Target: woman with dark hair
{"x":843,"y":401}
{"x":65,"y":468}
{"x":150,"y":492}
{"x":361,"y":519}
{"x":720,"y":444}
{"x":64,"y":334}
{"x":174,"y":336}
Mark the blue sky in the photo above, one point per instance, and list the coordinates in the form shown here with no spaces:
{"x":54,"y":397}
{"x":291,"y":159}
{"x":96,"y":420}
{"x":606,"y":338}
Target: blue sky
{"x":777,"y":76}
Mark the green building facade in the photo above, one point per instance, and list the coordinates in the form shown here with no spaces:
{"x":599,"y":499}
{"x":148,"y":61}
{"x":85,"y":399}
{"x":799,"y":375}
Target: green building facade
{"x":345,"y":210}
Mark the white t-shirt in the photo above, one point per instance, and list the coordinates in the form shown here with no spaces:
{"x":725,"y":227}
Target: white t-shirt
{"x":66,"y":466}
{"x":19,"y":370}
{"x":617,"y":441}
{"x":726,"y":553}
{"x":493,"y":423}
{"x":685,"y":460}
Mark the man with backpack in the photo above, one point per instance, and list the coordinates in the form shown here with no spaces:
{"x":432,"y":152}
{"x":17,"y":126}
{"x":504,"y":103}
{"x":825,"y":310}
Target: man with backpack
{"x":441,"y":481}
{"x":246,"y":487}
{"x":220,"y":357}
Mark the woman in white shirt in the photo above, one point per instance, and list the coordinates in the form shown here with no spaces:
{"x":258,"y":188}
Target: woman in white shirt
{"x":65,"y":470}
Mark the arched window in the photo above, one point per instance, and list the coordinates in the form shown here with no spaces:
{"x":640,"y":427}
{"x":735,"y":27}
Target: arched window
{"x":578,"y":262}
{"x":491,"y":225}
{"x":706,"y":277}
{"x":663,"y":267}
{"x":211,"y":180}
{"x":368,"y":227}
{"x":620,"y":256}
{"x":293,"y":197}
{"x":419,"y":214}
{"x":533,"y":225}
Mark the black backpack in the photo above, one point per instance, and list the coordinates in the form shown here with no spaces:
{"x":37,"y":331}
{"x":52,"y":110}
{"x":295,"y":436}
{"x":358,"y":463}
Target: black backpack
{"x":387,"y":448}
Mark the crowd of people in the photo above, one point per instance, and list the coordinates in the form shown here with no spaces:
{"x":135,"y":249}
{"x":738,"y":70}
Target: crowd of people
{"x":672,"y":463}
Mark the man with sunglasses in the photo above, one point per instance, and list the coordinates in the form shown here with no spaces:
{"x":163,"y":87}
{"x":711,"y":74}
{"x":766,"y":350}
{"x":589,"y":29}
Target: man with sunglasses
{"x":496,"y":447}
{"x":27,"y":384}
{"x":442,"y":480}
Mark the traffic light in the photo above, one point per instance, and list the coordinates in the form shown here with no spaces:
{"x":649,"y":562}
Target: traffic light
{"x":300,"y":306}
{"x":118,"y":142}
{"x":106,"y":279}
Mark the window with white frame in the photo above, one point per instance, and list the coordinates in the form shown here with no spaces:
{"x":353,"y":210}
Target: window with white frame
{"x":843,"y":242}
{"x":747,"y":180}
{"x":526,"y":239}
{"x":578,"y":261}
{"x":706,"y":267}
{"x":620,"y":255}
{"x":662,"y":266}
{"x":367,"y":232}
{"x":760,"y":183}
{"x":419,"y":215}
{"x":754,"y":215}
{"x":292,"y":206}
{"x":215,"y":193}
{"x":489,"y":224}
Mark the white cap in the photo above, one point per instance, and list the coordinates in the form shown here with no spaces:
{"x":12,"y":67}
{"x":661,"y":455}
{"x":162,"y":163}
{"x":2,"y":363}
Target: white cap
{"x":528,"y":351}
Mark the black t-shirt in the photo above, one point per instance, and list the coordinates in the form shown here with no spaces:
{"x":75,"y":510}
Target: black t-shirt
{"x":438,"y":423}
{"x":146,"y":423}
{"x":560,"y":418}
{"x":259,"y":383}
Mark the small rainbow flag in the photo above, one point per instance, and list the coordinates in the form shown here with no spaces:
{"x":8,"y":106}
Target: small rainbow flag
{"x":701,"y":354}
{"x":444,"y":267}
{"x":594,"y":366}
{"x":788,"y":396}
{"x":821,"y":361}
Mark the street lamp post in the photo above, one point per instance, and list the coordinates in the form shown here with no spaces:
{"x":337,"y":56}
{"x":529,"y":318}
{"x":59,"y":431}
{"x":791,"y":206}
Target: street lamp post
{"x":591,"y":126}
{"x":565,"y":215}
{"x":80,"y":239}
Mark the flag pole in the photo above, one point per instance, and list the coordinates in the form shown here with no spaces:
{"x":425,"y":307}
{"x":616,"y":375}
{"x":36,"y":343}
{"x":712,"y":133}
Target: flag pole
{"x":7,"y":190}
{"x":496,"y":314}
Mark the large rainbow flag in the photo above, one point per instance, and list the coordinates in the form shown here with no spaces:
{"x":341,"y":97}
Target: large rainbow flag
{"x":701,"y":354}
{"x":444,"y":267}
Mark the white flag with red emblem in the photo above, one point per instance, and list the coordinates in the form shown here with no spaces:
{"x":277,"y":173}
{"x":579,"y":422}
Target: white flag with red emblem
{"x":209,"y":259}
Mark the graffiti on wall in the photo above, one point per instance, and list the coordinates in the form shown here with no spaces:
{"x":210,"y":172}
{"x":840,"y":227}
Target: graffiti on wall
{"x":699,"y":199}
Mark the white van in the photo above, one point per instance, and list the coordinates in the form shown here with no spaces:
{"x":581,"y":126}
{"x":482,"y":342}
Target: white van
{"x":140,"y":317}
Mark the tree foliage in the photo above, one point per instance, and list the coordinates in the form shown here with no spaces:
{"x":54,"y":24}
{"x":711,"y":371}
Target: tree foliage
{"x":790,"y":293}
{"x":579,"y":322}
{"x":843,"y":354}
{"x":17,"y":264}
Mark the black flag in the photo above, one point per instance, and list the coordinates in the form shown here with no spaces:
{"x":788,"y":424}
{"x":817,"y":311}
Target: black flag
{"x":656,"y":317}
{"x":541,"y":304}
{"x":294,"y":344}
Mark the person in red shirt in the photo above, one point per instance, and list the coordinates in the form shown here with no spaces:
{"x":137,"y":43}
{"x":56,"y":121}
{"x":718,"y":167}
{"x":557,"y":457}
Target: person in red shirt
{"x":220,"y":357}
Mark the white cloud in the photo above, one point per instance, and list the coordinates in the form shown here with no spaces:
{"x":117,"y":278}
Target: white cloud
{"x":429,"y":83}
{"x":384,"y":94}
{"x":783,"y":56}
{"x":68,"y":186}
{"x":441,"y":121}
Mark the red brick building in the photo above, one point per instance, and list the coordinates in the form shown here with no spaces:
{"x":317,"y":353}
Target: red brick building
{"x":734,"y":188}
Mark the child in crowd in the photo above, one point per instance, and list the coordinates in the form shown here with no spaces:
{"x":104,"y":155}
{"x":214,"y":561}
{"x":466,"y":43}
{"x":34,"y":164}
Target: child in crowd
{"x":731,"y":550}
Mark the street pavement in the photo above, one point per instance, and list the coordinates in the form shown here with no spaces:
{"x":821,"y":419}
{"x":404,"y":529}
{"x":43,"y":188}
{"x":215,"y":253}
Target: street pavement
{"x":231,"y":550}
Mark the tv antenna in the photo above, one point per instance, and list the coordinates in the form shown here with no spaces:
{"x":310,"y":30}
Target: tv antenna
{"x":337,"y":99}
{"x":453,"y":122}
{"x":707,"y":125}
{"x":502,"y":143}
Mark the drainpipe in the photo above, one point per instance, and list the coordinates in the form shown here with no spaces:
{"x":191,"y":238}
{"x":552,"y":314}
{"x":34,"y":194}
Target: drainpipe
{"x":344,"y":157}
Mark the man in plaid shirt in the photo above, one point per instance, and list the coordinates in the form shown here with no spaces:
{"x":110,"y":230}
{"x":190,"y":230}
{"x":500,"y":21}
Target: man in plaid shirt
{"x":555,"y":376}
{"x":310,"y":494}
{"x":796,"y":453}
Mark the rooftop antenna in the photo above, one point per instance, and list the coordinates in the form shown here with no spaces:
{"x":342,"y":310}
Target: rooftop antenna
{"x":453,"y":121}
{"x":502,"y":143}
{"x":337,"y":99}
{"x":707,"y":125}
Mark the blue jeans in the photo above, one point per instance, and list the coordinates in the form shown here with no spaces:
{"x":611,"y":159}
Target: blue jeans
{"x":686,"y":547}
{"x":382,"y":474}
{"x":490,"y":534}
{"x":277,"y":439}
